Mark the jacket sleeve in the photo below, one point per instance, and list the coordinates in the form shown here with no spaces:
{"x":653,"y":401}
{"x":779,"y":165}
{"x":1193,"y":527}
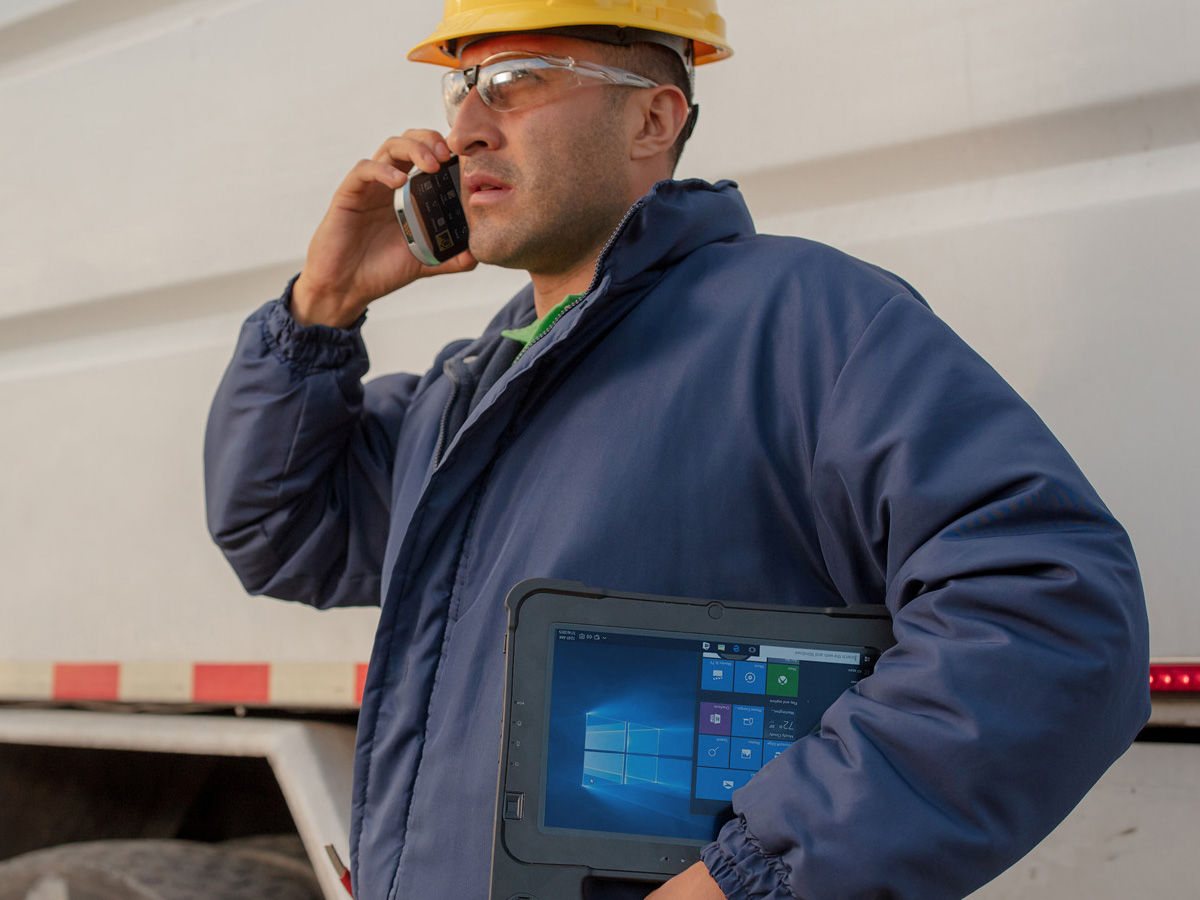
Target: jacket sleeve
{"x":1020,"y":669}
{"x":298,"y":459}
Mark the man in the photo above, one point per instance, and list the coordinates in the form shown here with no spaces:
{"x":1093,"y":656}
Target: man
{"x":679,"y":406}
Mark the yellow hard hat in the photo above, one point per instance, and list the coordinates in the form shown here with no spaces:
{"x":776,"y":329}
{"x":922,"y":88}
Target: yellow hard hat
{"x":694,"y":20}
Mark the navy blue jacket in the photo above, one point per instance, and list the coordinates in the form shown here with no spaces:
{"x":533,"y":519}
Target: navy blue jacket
{"x":727,"y":415}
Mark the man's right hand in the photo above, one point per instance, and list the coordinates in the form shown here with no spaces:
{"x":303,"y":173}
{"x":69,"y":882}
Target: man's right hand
{"x":358,"y":253}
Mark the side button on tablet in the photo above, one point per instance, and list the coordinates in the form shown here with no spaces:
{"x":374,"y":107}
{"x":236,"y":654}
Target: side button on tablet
{"x":514,"y":804}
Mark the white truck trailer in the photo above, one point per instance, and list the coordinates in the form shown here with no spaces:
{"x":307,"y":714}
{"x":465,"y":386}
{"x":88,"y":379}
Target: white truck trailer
{"x":1032,"y":166}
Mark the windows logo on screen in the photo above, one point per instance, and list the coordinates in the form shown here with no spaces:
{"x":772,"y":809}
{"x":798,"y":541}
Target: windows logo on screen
{"x":620,"y":752}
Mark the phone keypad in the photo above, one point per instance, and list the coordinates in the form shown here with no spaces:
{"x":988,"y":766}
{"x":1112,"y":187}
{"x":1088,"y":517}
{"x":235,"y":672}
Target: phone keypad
{"x":444,"y":218}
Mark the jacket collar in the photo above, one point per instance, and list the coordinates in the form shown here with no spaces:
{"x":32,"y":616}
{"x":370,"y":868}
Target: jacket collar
{"x":673,"y":220}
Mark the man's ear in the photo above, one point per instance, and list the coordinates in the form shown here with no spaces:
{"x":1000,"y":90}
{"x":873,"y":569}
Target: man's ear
{"x":662,"y":115}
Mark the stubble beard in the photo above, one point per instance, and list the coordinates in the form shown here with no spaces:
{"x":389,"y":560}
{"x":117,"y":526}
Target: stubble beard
{"x":556,"y":237}
{"x":564,"y":214}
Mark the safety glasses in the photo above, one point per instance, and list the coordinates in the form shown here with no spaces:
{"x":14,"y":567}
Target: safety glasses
{"x":515,"y":79}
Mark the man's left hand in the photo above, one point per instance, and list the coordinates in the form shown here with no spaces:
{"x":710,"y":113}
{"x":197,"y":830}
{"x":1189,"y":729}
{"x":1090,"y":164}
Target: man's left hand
{"x":693,"y":883}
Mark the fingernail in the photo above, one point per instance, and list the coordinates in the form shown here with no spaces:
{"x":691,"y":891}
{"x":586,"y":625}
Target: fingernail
{"x":443,"y":150}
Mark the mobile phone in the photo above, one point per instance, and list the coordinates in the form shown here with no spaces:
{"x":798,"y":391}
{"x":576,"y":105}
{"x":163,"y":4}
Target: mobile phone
{"x":429,"y":209}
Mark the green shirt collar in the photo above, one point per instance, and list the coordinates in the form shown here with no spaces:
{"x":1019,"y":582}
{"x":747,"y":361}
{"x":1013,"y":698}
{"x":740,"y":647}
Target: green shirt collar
{"x":534,"y":330}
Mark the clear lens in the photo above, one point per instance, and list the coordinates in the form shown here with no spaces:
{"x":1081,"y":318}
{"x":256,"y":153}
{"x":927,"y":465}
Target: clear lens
{"x":514,"y":80}
{"x":515,"y":83}
{"x":454,"y":92}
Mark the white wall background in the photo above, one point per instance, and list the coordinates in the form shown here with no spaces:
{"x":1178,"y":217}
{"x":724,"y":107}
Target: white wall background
{"x":1032,"y":166}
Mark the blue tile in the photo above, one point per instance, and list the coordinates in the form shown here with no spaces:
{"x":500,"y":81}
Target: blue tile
{"x":745,"y":753}
{"x":718,"y":675}
{"x":719,"y":784}
{"x":712,"y":750}
{"x":750,"y":678}
{"x":747,"y":721}
{"x":772,"y":749}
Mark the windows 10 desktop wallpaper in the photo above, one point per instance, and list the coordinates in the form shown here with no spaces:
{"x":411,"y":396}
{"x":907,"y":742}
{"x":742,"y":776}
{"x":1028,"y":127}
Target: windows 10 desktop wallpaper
{"x":621,"y":740}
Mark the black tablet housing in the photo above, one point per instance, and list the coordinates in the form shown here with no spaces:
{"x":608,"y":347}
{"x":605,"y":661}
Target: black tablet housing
{"x":630,"y":720}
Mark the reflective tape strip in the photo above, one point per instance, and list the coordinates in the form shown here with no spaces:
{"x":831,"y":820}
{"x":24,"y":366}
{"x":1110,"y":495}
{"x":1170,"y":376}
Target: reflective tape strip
{"x":312,"y":685}
{"x":360,"y":682}
{"x":87,"y":681}
{"x":156,"y":682}
{"x":27,"y":680}
{"x":318,"y":685}
{"x":321,"y":684}
{"x":242,"y":683}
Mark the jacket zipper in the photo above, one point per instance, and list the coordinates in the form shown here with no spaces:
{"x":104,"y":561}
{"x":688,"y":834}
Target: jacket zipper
{"x":445,"y":423}
{"x":454,"y":384}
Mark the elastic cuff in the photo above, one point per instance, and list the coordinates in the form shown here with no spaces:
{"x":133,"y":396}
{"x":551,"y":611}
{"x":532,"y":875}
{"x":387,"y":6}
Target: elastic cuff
{"x":309,"y":347}
{"x":742,"y":869}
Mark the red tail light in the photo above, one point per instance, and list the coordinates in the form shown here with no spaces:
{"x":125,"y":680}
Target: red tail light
{"x":1175,"y":677}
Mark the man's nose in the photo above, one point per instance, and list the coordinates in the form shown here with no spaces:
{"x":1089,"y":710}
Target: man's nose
{"x":474,"y":126}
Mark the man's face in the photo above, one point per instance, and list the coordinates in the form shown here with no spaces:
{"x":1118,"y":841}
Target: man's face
{"x":543,"y":186}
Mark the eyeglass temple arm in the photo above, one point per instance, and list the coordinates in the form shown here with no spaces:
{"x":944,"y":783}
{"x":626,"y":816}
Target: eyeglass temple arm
{"x":690,"y":125}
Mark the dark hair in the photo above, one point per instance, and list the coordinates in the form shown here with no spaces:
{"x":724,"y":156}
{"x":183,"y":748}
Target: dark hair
{"x":659,"y":64}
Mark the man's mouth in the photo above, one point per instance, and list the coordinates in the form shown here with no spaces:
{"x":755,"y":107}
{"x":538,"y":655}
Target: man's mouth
{"x":482,"y":188}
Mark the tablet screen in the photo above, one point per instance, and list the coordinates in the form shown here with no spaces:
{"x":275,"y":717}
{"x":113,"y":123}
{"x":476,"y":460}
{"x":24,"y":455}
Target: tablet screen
{"x":649,"y":732}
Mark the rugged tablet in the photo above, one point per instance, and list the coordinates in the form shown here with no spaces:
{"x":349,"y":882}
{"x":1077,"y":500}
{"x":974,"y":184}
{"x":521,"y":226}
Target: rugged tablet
{"x":630,"y":721}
